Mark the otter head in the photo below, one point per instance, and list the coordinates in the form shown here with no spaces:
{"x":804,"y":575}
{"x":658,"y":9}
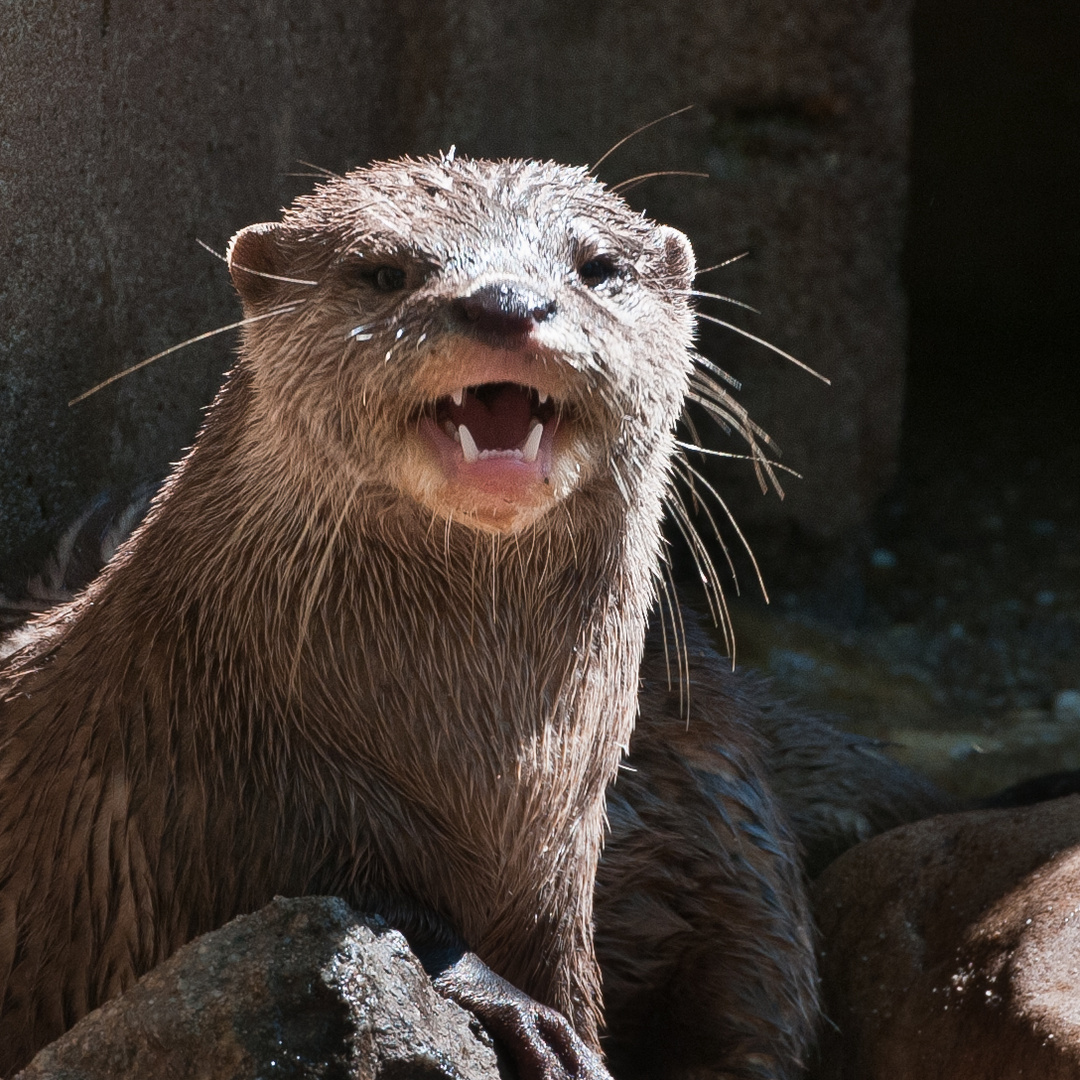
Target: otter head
{"x":485,"y":339}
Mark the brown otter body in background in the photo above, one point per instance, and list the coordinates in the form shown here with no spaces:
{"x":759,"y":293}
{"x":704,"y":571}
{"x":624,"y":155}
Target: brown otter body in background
{"x":380,"y":634}
{"x":702,"y":928}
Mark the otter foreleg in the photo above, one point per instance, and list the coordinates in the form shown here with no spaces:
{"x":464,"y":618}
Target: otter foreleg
{"x":543,"y":1043}
{"x":540,"y":1039}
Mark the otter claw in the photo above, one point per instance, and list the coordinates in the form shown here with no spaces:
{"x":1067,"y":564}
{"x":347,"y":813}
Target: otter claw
{"x":541,"y":1040}
{"x":543,"y":1043}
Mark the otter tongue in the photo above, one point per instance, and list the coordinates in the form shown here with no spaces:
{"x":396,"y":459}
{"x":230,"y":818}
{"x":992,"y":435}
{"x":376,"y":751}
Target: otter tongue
{"x":498,"y":418}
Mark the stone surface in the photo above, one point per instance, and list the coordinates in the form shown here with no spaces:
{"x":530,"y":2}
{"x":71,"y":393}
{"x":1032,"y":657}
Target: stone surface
{"x":128,"y":132}
{"x":302,"y":988}
{"x":951,"y":949}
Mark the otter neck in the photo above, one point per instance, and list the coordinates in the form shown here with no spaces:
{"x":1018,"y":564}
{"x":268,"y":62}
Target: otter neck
{"x":354,"y":593}
{"x":483,"y":687}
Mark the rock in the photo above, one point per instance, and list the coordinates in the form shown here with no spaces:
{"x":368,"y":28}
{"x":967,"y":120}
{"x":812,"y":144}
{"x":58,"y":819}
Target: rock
{"x":128,"y":132}
{"x":301,"y":988}
{"x":951,"y":949}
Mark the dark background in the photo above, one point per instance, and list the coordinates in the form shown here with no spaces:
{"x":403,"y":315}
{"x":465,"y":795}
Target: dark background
{"x":992,"y":263}
{"x":949,"y":622}
{"x":990,"y":439}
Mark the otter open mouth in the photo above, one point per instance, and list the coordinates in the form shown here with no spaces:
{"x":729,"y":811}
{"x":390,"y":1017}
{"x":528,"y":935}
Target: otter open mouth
{"x":493,"y":446}
{"x":500,"y":420}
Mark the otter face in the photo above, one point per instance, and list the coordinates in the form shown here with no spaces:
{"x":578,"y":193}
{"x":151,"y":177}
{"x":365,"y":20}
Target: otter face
{"x":485,"y":339}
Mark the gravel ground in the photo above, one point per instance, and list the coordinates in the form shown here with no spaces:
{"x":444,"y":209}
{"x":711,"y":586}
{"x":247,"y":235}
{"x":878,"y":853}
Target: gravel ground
{"x":951,"y":625}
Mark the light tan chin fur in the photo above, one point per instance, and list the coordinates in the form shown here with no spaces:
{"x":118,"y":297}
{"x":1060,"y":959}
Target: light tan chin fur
{"x":491,"y":517}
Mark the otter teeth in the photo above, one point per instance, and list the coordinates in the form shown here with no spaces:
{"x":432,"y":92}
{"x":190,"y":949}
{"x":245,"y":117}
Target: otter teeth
{"x":531,"y":446}
{"x":527,"y":452}
{"x":458,"y":396}
{"x":468,"y":444}
{"x":542,"y":396}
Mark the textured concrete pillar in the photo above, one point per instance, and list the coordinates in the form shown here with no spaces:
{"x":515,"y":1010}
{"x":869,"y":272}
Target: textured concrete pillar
{"x":130,"y":131}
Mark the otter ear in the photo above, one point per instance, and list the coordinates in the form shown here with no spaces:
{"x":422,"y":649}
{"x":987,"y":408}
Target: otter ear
{"x":253,"y":254}
{"x":679,"y":259}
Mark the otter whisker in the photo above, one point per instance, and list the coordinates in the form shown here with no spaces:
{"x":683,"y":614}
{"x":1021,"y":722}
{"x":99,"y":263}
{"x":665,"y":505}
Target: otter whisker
{"x":684,"y":655}
{"x":663,"y":597}
{"x":688,"y":475}
{"x":248,"y":270}
{"x":704,"y":362}
{"x":633,"y":134}
{"x":674,"y":458}
{"x":626,"y":185}
{"x":720,"y":296}
{"x":678,"y":629}
{"x":711,"y":389}
{"x":768,"y":345}
{"x":688,"y":420}
{"x":285,"y":309}
{"x":727,"y":414}
{"x":702,"y":560}
{"x":714,"y":592}
{"x":721,"y":265}
{"x":698,"y":449}
{"x":729,"y":417}
{"x":727,"y":420}
{"x":734,"y":524}
{"x":317,"y":171}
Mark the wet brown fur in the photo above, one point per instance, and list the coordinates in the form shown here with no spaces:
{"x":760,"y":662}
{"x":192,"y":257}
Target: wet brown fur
{"x":301,"y":678}
{"x":702,"y":927}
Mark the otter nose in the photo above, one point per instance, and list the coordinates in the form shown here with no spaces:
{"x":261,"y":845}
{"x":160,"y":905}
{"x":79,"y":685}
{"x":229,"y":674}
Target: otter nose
{"x":504,"y":308}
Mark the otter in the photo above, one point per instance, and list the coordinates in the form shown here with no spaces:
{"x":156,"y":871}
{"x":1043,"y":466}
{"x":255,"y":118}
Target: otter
{"x":379,"y":635}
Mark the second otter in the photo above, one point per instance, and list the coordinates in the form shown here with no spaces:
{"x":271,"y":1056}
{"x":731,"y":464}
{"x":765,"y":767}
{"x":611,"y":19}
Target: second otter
{"x":380,"y":634}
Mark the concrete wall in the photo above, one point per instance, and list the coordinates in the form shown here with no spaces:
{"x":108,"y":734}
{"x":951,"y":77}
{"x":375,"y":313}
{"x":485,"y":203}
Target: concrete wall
{"x":128,"y":131}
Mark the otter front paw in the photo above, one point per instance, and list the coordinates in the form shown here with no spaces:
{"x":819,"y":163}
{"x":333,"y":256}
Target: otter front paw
{"x":541,"y":1040}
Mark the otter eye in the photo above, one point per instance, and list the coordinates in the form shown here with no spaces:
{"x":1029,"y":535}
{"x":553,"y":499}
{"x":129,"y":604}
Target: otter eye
{"x":389,"y":278}
{"x":596,"y":271}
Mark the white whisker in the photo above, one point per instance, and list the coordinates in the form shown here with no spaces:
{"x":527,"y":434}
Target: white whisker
{"x":283,"y":310}
{"x":768,"y":345}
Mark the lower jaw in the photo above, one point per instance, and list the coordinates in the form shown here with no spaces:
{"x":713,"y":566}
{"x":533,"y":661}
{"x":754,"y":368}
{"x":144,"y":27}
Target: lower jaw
{"x":498,"y":494}
{"x":493,"y":507}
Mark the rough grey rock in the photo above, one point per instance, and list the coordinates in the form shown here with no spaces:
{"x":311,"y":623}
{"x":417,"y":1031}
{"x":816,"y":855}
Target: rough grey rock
{"x":129,"y":131}
{"x":302,"y":988}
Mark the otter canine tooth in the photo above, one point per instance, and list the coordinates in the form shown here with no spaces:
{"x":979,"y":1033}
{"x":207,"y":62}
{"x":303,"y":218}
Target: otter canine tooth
{"x":458,"y":395}
{"x":468,"y":444}
{"x":532,"y":444}
{"x":542,"y":396}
